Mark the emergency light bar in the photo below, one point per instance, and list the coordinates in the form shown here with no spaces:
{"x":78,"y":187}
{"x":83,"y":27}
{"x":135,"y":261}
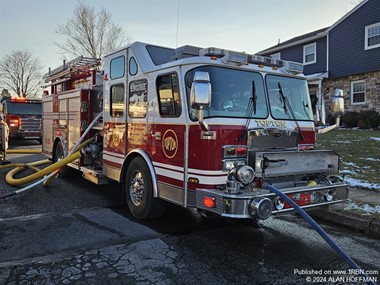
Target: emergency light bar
{"x":293,"y":67}
{"x":244,"y":58}
{"x":237,"y":57}
{"x":227,"y":55}
{"x":18,"y":99}
{"x":267,"y":61}
{"x":22,"y":100}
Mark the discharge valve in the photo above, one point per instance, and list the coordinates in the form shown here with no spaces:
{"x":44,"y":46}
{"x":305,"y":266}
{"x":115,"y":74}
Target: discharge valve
{"x":238,"y":177}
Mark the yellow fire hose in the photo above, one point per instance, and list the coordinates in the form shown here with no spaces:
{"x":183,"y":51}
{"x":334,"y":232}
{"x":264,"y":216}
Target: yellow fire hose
{"x":23,"y":165}
{"x":48,"y":181}
{"x":47,"y":174}
{"x":24,"y":151}
{"x":40,"y":172}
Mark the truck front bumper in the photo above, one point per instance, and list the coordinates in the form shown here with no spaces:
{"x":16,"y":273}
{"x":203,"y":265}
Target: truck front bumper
{"x":241,"y":206}
{"x":26,"y":135}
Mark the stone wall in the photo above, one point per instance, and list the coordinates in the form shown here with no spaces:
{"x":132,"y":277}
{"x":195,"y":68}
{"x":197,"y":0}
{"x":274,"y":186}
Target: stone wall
{"x":372,"y":94}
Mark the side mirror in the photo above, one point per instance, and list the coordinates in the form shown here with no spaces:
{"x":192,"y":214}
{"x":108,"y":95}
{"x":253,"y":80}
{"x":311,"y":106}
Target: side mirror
{"x":338,"y":103}
{"x":200,"y":94}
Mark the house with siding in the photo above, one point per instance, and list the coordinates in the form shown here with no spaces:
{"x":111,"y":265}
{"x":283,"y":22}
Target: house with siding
{"x":345,"y":55}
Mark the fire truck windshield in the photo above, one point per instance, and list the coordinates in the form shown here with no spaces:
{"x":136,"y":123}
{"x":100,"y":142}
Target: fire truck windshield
{"x":24,"y":108}
{"x":231,"y":92}
{"x":295,"y":91}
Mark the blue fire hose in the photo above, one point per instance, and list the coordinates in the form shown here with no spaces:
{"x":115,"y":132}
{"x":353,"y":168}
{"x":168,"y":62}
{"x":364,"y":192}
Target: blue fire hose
{"x":318,"y":229}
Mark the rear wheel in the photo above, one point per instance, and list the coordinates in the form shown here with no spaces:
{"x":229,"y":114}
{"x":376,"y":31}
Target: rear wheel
{"x":59,"y":154}
{"x":138,"y":187}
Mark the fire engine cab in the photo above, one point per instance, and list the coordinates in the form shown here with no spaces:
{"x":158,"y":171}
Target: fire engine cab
{"x":197,"y":127}
{"x":23,"y":117}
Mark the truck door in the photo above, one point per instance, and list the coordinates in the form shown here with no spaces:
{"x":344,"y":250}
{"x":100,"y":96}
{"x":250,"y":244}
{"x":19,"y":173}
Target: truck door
{"x":114,"y":117}
{"x":168,"y":138}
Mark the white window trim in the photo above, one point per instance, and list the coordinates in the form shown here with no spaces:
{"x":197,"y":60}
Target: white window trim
{"x":315,"y":53}
{"x":366,"y":47}
{"x":352,"y":92}
{"x":276,"y":55}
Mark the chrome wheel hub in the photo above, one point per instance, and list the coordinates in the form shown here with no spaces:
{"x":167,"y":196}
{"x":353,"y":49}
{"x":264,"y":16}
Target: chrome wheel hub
{"x":136,"y":188}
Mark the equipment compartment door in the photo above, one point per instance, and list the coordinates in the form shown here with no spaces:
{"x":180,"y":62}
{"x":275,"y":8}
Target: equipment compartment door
{"x":114,"y":117}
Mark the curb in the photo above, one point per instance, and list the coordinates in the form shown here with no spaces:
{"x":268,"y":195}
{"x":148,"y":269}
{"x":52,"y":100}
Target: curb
{"x":374,"y":228}
{"x":360,"y":224}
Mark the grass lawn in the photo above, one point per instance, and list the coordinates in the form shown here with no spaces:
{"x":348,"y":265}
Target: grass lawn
{"x":360,"y":155}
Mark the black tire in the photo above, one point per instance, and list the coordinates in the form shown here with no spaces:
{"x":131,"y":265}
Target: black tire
{"x":58,"y":155}
{"x":138,"y":188}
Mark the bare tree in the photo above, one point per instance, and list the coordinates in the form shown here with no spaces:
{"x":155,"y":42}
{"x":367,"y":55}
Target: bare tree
{"x":20,"y":71}
{"x":5,"y":93}
{"x":90,"y":33}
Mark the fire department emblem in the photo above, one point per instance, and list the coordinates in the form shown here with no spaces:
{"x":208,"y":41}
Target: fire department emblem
{"x":116,"y":139}
{"x":170,"y":144}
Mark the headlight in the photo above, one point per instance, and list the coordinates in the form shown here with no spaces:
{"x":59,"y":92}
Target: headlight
{"x":232,"y":163}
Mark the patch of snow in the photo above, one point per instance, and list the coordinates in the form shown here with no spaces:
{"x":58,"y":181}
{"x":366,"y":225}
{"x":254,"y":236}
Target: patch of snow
{"x":357,"y":183}
{"x":350,"y":164}
{"x":375,"y":139}
{"x":347,"y":171}
{"x":346,"y":142}
{"x":371,"y":159}
{"x":364,"y":208}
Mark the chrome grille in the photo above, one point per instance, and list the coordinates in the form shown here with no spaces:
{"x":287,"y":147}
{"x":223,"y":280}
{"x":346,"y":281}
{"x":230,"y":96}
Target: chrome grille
{"x":30,"y":124}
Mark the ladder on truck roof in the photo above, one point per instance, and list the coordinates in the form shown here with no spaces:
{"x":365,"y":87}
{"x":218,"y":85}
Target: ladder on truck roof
{"x":77,"y":64}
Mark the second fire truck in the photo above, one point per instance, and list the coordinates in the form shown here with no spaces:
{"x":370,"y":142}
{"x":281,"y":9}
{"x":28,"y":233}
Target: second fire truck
{"x":197,"y":127}
{"x":23,"y":117}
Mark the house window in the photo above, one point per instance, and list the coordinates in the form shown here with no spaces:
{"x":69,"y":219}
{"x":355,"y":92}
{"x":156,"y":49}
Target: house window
{"x":358,"y":92}
{"x":310,"y":53}
{"x":372,"y":36}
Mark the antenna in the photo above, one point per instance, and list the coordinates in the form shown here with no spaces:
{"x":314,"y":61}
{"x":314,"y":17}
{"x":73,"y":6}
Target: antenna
{"x":176,"y":40}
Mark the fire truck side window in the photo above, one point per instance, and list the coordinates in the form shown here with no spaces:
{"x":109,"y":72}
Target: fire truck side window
{"x":168,"y":95}
{"x":133,"y":67}
{"x":117,"y":100}
{"x":138,"y":91}
{"x":117,"y":67}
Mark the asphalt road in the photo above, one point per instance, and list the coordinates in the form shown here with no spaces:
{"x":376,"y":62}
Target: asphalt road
{"x":75,"y":232}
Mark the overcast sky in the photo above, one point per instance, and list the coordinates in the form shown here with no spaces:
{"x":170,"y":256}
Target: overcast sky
{"x":241,"y":25}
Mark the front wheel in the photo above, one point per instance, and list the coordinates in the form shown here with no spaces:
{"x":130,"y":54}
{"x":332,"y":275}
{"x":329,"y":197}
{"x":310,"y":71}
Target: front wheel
{"x":138,"y":187}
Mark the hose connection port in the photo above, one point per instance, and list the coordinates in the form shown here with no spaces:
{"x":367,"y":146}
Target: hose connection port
{"x":279,"y":204}
{"x":260,"y":208}
{"x":239,"y":176}
{"x":329,"y":195}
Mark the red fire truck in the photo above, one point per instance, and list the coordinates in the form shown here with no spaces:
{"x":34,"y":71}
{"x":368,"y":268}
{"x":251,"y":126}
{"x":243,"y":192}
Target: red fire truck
{"x":23,"y":117}
{"x":197,"y":127}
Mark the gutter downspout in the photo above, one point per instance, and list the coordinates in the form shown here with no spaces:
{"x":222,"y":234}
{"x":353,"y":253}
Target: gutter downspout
{"x":327,"y":53}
